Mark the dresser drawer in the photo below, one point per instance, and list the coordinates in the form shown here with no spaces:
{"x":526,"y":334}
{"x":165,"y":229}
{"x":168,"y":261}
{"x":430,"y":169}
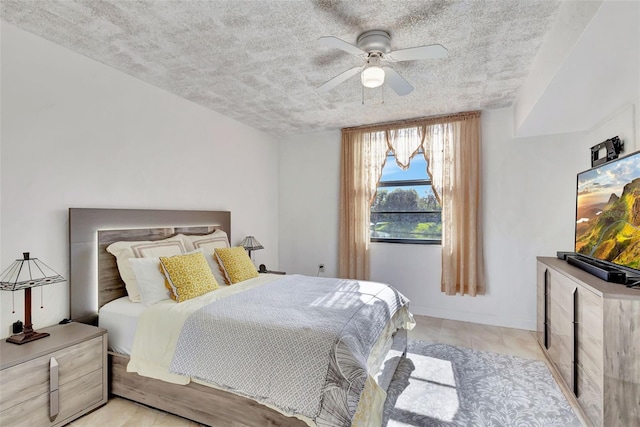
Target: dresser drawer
{"x":75,"y":396}
{"x":590,"y":396}
{"x":590,"y":355}
{"x":561,"y":289}
{"x":25,"y":381}
{"x":589,"y":315}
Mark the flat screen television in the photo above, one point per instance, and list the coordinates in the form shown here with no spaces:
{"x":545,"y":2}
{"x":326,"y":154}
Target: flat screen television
{"x":608,"y":213}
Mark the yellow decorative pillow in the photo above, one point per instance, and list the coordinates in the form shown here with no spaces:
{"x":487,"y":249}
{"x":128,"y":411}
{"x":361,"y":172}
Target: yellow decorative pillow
{"x":235,"y":264}
{"x":208,"y":242}
{"x":188,"y":276}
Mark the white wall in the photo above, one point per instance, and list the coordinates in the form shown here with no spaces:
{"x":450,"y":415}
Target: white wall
{"x":598,"y":76}
{"x":309,"y":203}
{"x":621,"y":123}
{"x":76,"y":133}
{"x":529,"y":207}
{"x":1,"y":115}
{"x":569,"y":26}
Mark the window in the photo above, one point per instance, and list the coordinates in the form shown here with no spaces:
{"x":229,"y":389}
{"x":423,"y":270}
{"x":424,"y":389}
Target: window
{"x":405,"y":209}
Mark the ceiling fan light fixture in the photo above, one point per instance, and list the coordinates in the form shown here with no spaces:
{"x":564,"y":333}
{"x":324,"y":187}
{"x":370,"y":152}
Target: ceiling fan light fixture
{"x":372,"y":76}
{"x":375,"y":46}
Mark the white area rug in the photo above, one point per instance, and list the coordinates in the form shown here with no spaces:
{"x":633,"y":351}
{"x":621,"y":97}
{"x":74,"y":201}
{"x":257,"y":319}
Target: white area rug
{"x":444,"y":385}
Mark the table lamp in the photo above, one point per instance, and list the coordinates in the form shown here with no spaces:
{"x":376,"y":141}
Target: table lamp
{"x":251,"y":244}
{"x":27,"y":273}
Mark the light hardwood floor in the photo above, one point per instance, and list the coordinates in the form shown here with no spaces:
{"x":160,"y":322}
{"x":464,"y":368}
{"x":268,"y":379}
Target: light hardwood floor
{"x":120,"y":412}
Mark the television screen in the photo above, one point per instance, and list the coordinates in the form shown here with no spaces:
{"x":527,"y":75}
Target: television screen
{"x":608,"y":212}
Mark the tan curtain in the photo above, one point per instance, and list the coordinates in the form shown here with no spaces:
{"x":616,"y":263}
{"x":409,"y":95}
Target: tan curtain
{"x":404,"y":143}
{"x":453,"y":153}
{"x":451,"y":146}
{"x":363,"y":157}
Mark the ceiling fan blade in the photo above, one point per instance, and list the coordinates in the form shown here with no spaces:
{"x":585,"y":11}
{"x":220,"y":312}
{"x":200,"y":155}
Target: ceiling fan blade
{"x":332,"y":41}
{"x":431,"y":51}
{"x":339,"y":79}
{"x":397,"y":82}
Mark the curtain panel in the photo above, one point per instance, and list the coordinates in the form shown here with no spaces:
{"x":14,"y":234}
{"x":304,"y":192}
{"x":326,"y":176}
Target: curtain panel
{"x":363,"y":156}
{"x":451,"y":147}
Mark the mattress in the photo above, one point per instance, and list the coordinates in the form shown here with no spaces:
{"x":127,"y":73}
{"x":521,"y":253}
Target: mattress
{"x":120,"y":318}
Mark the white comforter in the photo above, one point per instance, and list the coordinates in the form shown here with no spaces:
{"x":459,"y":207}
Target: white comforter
{"x":160,"y":326}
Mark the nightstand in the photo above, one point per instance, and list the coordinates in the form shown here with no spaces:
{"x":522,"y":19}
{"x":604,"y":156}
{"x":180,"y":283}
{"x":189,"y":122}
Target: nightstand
{"x":64,"y":374}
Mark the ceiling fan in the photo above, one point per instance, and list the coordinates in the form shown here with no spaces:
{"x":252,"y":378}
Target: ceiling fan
{"x":375,"y":47}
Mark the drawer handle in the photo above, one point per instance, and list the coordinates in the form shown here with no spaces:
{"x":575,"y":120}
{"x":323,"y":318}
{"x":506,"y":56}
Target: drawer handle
{"x":575,"y":344}
{"x":546,"y":309}
{"x":54,"y":401}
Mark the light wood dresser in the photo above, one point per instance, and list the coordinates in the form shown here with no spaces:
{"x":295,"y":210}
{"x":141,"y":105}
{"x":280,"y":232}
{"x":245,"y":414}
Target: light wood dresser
{"x":64,"y":374}
{"x":589,"y":330}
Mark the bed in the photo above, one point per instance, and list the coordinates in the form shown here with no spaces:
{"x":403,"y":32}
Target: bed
{"x":95,"y":283}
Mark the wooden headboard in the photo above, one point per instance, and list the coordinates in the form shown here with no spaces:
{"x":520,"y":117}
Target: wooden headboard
{"x":94,"y":278}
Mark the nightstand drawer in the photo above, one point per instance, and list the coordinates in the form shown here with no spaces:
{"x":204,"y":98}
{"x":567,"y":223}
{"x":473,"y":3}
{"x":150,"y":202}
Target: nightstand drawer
{"x":75,"y":396}
{"x":28,"y":380}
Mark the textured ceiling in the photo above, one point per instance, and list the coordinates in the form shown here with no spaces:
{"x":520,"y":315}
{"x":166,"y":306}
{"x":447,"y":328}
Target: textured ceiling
{"x":260,"y":61}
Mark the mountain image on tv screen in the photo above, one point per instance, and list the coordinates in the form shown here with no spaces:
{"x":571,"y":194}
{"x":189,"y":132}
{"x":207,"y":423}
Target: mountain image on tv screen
{"x":608,"y":212}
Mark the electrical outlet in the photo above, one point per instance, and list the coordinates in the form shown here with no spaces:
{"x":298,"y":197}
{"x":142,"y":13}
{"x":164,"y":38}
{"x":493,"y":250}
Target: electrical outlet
{"x":321,"y":268}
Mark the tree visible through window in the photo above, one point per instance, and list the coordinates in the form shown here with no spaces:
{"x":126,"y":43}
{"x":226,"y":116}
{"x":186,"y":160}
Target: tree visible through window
{"x":405,"y":209}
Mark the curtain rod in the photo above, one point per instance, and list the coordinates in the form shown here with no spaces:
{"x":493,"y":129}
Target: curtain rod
{"x":416,"y":121}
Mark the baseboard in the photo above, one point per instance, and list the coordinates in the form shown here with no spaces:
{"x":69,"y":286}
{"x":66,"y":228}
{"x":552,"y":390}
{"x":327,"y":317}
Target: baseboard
{"x":484,"y":319}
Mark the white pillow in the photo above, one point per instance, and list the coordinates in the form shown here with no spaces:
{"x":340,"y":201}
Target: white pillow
{"x":209,"y":242}
{"x":215,"y":267}
{"x":150,"y":280}
{"x":217,"y":239}
{"x":124,"y":251}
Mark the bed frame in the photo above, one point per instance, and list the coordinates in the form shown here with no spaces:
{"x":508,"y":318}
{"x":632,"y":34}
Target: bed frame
{"x":95,"y":281}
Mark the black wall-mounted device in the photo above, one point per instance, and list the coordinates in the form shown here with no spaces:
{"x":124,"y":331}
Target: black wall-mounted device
{"x":606,"y":151}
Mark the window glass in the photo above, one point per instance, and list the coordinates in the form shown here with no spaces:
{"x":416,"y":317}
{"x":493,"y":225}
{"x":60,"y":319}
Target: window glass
{"x":417,"y":169}
{"x":405,"y":209}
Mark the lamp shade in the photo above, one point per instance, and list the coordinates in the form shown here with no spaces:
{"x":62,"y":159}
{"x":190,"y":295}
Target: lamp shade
{"x":28,"y":273}
{"x":372,"y":76}
{"x":251,"y":244}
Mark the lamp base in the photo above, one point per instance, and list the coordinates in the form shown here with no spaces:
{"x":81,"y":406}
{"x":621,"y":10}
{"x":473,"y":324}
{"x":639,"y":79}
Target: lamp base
{"x":25,"y":338}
